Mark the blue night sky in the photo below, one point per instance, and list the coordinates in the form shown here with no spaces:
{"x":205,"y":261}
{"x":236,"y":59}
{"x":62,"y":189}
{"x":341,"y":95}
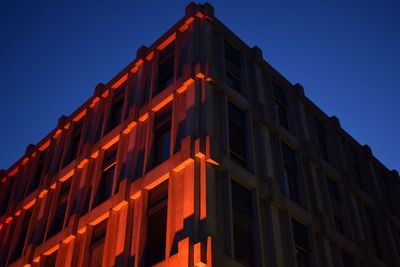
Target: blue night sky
{"x":346,"y":54}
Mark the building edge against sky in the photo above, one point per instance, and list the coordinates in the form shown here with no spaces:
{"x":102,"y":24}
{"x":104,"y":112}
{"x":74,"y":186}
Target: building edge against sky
{"x":146,"y":157}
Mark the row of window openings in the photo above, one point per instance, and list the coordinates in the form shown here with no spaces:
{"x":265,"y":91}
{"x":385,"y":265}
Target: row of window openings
{"x":155,"y":237}
{"x":165,"y":78}
{"x":243,"y":232}
{"x":161,"y":150}
{"x":106,"y":182}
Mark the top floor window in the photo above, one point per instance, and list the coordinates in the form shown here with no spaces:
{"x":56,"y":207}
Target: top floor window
{"x":232,"y":67}
{"x":237,"y":134}
{"x":280,"y":106}
{"x":116,"y":111}
{"x":321,"y":139}
{"x":37,"y":174}
{"x":73,"y":148}
{"x":166,"y":67}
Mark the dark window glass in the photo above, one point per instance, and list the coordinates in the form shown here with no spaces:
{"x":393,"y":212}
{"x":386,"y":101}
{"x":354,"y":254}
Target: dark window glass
{"x":339,"y":225}
{"x":280,"y":106}
{"x":347,"y":259}
{"x":301,"y":243}
{"x":73,"y":148}
{"x":373,"y":232}
{"x":237,"y":134}
{"x":97,"y":244}
{"x":232,"y":67}
{"x":105,"y":186}
{"x":321,"y":139}
{"x":5,"y":198}
{"x":290,"y":173}
{"x":242,"y":224}
{"x":162,"y":135}
{"x":62,"y":201}
{"x":333,"y":189}
{"x":19,"y":245}
{"x":166,"y":66}
{"x":157,"y":224}
{"x":50,"y":260}
{"x":116,"y":111}
{"x":35,"y":180}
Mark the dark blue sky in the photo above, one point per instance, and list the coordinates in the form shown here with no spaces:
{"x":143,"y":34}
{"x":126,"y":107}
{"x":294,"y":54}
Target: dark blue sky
{"x":346,"y":54}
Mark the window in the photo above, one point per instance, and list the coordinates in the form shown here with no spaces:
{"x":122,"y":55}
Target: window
{"x":19,"y":245}
{"x":347,"y":259}
{"x":280,"y":106}
{"x":73,"y":148}
{"x":97,"y":244}
{"x":35,"y":180}
{"x":301,"y":243}
{"x":242,"y":224}
{"x":62,"y":201}
{"x":162,"y":135}
{"x":232,"y":67}
{"x":50,"y":260}
{"x":332,"y":189}
{"x":237,"y":134}
{"x":339,"y":224}
{"x":373,"y":232}
{"x":105,"y":186}
{"x":321,"y":139}
{"x":5,"y":198}
{"x":166,"y":66}
{"x":156,"y":223}
{"x":290,"y":173}
{"x":116,"y":111}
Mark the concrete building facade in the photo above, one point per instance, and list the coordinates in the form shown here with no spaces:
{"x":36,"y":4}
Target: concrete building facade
{"x":199,"y":153}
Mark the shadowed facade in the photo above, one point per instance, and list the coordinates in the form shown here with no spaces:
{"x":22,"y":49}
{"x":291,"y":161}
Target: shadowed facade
{"x":199,"y":153}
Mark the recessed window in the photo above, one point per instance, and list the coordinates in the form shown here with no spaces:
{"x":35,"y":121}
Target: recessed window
{"x":321,"y":139}
{"x":290,"y":180}
{"x":96,"y":247}
{"x":347,"y":259}
{"x":373,"y":232}
{"x":301,"y":243}
{"x":50,"y":260}
{"x":5,"y":198}
{"x":232,"y":67}
{"x":166,"y":67}
{"x":73,"y":148}
{"x":19,"y":245}
{"x":37,"y":175}
{"x":59,"y":215}
{"x":162,"y":135}
{"x":243,"y":229}
{"x":116,"y":111}
{"x":339,"y":224}
{"x":332,"y":189}
{"x":157,"y":224}
{"x":280,"y":106}
{"x":105,"y":186}
{"x":237,"y":134}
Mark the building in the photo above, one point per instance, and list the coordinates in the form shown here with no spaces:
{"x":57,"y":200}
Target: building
{"x":199,"y":153}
